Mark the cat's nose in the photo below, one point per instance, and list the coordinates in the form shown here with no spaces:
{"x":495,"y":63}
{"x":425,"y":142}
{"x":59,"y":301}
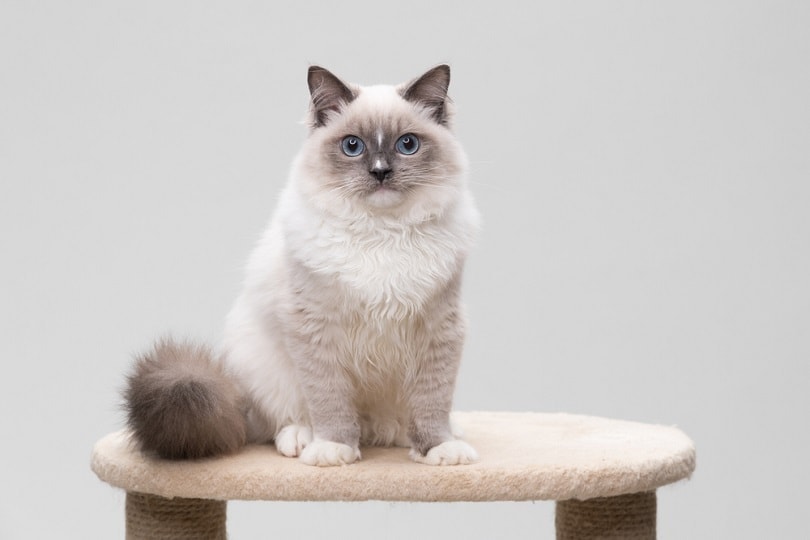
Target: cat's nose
{"x":381,"y":174}
{"x":380,"y":171}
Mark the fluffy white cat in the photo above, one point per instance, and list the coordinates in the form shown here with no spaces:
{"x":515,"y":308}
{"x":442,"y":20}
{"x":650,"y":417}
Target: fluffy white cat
{"x":349,"y":329}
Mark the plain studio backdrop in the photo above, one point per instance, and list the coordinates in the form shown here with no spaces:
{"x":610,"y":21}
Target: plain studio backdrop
{"x":642,"y":168}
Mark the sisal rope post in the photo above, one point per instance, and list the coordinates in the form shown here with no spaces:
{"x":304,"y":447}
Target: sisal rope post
{"x":630,"y":517}
{"x":150,"y":517}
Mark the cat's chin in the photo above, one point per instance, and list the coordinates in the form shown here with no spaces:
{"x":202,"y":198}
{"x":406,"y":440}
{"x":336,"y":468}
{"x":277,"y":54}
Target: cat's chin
{"x":384,"y":198}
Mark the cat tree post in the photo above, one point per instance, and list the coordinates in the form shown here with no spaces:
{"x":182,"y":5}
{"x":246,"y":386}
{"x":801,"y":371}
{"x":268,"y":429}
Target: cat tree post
{"x":624,"y":517}
{"x":150,"y":517}
{"x":602,"y":473}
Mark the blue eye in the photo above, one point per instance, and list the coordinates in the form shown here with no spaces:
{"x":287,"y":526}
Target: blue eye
{"x":407,"y":144}
{"x":352,"y":146}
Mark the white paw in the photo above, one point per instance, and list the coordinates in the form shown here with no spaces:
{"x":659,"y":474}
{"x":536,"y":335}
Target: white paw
{"x":292,"y":439}
{"x":327,"y":453}
{"x":447,"y":453}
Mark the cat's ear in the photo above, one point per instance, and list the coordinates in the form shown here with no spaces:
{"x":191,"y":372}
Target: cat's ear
{"x":328,"y":94}
{"x":430,"y":91}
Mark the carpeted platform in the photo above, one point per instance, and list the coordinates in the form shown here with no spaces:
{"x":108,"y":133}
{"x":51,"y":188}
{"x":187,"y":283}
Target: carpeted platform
{"x":524,"y":456}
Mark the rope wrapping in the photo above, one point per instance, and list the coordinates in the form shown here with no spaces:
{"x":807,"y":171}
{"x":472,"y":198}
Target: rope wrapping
{"x":630,"y":517}
{"x":150,"y":517}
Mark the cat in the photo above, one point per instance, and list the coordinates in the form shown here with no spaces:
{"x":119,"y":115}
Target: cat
{"x":349,"y":328}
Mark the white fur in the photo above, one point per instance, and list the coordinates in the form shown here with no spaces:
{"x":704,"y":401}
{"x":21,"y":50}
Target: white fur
{"x":292,"y":439}
{"x":383,"y":260}
{"x":327,"y":453}
{"x":447,"y":453}
{"x":389,"y":266}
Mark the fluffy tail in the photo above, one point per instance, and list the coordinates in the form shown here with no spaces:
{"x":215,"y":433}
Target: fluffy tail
{"x":181,"y":404}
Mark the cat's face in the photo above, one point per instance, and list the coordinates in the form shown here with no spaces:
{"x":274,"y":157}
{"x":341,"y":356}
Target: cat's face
{"x":382,"y":149}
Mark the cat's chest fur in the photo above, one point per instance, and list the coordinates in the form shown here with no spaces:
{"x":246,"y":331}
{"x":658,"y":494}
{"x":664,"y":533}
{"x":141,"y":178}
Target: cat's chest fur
{"x":389,"y":269}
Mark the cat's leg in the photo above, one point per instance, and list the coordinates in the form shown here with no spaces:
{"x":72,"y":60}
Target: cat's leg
{"x":314,"y":338}
{"x":432,"y":441}
{"x":329,"y":394}
{"x":335,"y":426}
{"x":431,"y":393}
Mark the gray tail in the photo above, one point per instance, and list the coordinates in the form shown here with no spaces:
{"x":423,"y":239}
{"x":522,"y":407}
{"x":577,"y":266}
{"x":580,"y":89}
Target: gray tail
{"x":181,"y":404}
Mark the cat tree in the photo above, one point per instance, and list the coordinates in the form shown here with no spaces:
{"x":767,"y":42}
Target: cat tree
{"x":602,"y":473}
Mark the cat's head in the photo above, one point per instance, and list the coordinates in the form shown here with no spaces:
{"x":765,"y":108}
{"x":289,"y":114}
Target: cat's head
{"x":382,"y":150}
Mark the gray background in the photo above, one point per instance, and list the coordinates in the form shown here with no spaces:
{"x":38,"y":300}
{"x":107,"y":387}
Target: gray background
{"x":642,"y":169}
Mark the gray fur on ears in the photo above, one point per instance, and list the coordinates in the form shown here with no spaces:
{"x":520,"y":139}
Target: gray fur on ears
{"x":328,"y":94}
{"x":430,"y":90}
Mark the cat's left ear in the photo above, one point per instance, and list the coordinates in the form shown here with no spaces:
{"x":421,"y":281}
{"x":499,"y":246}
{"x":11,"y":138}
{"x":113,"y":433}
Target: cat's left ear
{"x":430,"y":91}
{"x":328,"y":93}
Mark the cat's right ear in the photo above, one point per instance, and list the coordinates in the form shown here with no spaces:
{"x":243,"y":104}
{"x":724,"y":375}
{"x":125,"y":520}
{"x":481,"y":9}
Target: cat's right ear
{"x":328,"y":94}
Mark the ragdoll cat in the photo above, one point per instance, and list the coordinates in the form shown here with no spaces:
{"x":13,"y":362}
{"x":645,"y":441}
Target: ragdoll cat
{"x":349,"y":328}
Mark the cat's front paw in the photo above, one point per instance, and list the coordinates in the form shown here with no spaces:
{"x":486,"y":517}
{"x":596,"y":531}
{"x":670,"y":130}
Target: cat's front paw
{"x":447,"y":453}
{"x":292,"y":439}
{"x":328,"y":453}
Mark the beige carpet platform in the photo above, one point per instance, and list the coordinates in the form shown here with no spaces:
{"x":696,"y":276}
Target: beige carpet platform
{"x":602,"y":472}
